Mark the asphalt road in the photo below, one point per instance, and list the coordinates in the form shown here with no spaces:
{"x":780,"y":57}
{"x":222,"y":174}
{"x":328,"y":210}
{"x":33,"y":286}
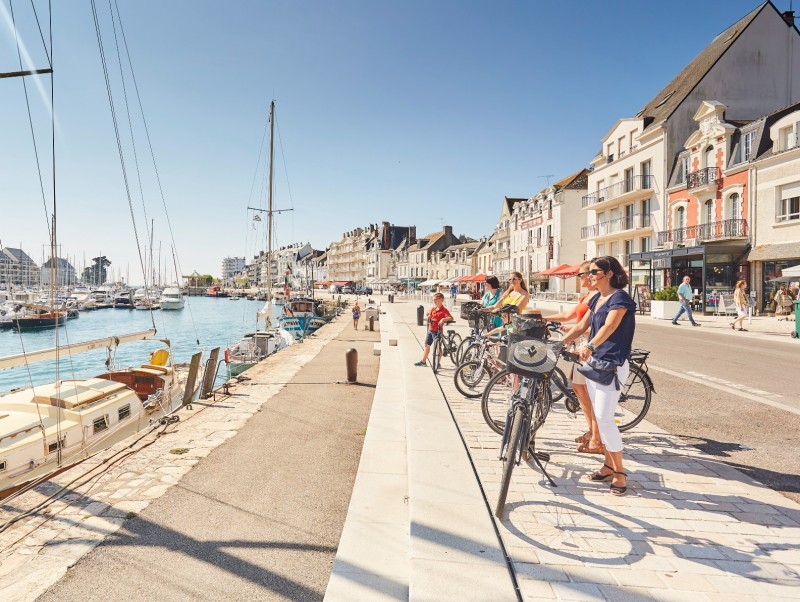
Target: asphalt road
{"x":711,"y":390}
{"x":261,"y":517}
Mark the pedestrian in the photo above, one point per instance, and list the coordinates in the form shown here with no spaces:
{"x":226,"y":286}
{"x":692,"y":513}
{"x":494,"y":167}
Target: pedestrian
{"x":783,"y":303}
{"x":356,"y":315}
{"x":453,"y":291}
{"x":611,"y":321}
{"x":740,"y":301}
{"x":685,"y":299}
{"x":590,"y":442}
{"x":437,"y":317}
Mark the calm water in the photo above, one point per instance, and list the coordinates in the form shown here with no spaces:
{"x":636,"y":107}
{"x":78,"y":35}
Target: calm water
{"x":215,"y":322}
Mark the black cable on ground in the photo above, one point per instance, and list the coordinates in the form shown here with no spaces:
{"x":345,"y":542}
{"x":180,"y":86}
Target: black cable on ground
{"x":509,"y":563}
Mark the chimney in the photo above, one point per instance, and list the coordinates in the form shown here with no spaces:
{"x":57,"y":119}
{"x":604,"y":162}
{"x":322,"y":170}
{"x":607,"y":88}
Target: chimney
{"x":412,"y":235}
{"x":448,"y":232}
{"x":788,"y":16}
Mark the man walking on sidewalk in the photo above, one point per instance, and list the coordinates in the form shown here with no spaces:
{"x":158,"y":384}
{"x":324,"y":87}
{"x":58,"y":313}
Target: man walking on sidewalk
{"x":685,"y":298}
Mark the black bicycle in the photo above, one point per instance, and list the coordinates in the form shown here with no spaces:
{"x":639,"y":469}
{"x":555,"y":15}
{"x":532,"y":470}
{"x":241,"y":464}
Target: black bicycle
{"x":634,"y":401}
{"x":445,"y":345}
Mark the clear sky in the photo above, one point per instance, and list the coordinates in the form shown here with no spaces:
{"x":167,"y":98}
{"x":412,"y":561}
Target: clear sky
{"x":415,"y":112}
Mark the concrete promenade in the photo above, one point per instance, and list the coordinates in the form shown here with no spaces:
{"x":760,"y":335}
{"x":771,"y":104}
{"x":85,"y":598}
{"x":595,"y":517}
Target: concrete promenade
{"x":243,"y":499}
{"x":690,"y":528}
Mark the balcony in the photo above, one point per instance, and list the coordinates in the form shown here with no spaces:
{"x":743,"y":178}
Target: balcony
{"x":691,"y":235}
{"x":705,"y":180}
{"x":628,"y":189}
{"x":616,"y":226}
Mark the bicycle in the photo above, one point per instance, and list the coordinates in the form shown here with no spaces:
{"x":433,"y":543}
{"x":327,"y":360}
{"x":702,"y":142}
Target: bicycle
{"x":446,"y":344}
{"x":636,"y":393}
{"x":484,"y":362}
{"x":532,"y":362}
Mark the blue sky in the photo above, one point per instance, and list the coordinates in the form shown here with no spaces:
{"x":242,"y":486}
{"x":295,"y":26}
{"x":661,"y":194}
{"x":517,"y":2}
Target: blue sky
{"x":413,"y":112}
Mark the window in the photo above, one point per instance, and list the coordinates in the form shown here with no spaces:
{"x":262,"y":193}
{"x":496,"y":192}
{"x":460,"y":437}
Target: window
{"x":601,"y":250}
{"x":708,"y":212}
{"x":629,"y":216}
{"x":747,"y":146}
{"x":124,"y":412}
{"x":734,"y":206}
{"x":710,"y":161}
{"x":684,"y":169}
{"x":610,"y":151}
{"x":787,"y":138}
{"x":632,"y":140}
{"x":645,"y":244}
{"x":628,"y":251}
{"x":647,"y":171}
{"x":645,"y":211}
{"x":629,"y":181}
{"x":620,"y":144}
{"x":2,"y":466}
{"x":680,"y":221}
{"x":789,"y":209}
{"x":100,"y":424}
{"x":55,"y":446}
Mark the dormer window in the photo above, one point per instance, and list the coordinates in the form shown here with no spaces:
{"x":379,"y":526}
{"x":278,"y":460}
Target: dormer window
{"x":747,"y":145}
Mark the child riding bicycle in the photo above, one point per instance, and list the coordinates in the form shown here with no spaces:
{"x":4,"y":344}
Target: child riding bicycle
{"x":437,"y":317}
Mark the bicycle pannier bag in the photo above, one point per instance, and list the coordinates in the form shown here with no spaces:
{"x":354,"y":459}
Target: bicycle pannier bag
{"x":470,"y":310}
{"x":600,"y":371}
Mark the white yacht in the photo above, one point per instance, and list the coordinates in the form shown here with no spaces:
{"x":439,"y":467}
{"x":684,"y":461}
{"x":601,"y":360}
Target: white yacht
{"x":171,"y":298}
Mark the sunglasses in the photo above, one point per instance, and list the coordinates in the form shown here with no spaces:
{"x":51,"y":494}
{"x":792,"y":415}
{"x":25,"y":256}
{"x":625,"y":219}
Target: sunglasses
{"x":580,"y":274}
{"x":596,"y":271}
{"x":516,"y":279}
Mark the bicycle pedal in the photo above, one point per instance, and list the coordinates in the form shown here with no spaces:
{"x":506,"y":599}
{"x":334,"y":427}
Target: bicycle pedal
{"x":543,"y":456}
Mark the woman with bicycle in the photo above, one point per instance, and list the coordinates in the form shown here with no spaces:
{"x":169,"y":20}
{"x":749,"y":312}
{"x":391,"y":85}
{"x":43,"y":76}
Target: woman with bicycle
{"x":611,"y":322}
{"x":516,"y":294}
{"x":491,"y":296}
{"x":589,"y":442}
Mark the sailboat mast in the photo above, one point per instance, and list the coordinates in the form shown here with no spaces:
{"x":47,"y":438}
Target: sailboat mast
{"x":269,"y":207}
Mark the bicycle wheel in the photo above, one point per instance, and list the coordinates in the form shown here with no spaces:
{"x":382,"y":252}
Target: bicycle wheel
{"x":471,"y":353}
{"x":634,"y":400}
{"x":469,"y":379}
{"x":435,"y":359}
{"x":555,"y":393}
{"x":463,"y":346}
{"x":453,"y":344}
{"x":509,"y":459}
{"x":496,"y":399}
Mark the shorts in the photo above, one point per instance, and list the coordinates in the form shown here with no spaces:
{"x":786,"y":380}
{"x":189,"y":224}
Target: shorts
{"x":577,"y":377}
{"x":742,"y":313}
{"x":431,"y":337}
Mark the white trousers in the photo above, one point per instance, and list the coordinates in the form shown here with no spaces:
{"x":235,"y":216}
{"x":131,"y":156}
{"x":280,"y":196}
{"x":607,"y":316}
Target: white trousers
{"x":604,"y":401}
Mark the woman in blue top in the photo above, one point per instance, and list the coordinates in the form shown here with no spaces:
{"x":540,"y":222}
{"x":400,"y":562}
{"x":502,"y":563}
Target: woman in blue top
{"x":491,"y":295}
{"x":612,"y":319}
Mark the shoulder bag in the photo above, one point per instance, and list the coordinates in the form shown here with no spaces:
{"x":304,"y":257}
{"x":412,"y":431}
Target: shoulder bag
{"x":600,"y":371}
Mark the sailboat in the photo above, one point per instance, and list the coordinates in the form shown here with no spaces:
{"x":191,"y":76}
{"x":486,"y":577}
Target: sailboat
{"x":255,"y":346}
{"x":47,"y":428}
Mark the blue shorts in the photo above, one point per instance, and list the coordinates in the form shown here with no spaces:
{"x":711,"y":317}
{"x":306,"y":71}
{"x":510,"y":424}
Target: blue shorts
{"x":431,"y":337}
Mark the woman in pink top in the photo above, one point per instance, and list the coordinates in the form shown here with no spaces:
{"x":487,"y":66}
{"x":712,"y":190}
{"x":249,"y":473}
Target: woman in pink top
{"x":590,"y":442}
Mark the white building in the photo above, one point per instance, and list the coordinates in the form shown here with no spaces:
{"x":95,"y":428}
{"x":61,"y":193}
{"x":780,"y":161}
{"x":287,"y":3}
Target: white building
{"x":501,"y":257}
{"x":231,"y":266}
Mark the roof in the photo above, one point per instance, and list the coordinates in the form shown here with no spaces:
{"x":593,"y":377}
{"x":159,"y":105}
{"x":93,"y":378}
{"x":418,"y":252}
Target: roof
{"x":511,"y":201}
{"x":574,"y":180}
{"x":17,"y":254}
{"x":62,"y":264}
{"x":663,"y":104}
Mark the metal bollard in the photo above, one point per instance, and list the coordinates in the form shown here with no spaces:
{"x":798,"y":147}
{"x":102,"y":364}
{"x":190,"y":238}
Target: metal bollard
{"x":351,"y":360}
{"x":371,"y":323}
{"x":420,"y":315}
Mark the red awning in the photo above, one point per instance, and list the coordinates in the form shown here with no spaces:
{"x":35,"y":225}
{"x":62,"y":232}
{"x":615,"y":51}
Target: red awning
{"x":472,"y":278}
{"x":566,"y":271}
{"x":552,"y":271}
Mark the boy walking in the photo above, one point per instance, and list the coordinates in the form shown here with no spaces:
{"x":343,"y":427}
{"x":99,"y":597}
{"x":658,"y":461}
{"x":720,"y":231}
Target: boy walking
{"x":437,"y":317}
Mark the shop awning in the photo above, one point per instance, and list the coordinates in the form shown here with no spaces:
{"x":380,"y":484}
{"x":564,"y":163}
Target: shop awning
{"x":567,"y":272}
{"x":551,"y":271}
{"x":777,"y":251}
{"x":430,"y":282}
{"x":472,"y":278}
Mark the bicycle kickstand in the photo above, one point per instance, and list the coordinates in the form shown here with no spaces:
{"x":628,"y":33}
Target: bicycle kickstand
{"x":538,"y":457}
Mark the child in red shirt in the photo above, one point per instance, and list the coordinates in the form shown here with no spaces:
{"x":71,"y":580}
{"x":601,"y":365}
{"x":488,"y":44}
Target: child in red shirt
{"x":437,"y":316}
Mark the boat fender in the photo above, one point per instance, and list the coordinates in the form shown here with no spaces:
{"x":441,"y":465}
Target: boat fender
{"x":227,"y":355}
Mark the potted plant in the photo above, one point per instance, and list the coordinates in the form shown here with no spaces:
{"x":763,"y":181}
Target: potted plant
{"x":665,"y":303}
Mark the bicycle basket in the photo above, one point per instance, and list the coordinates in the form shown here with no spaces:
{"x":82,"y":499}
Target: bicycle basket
{"x":531,"y":328}
{"x":531,"y":357}
{"x":470,"y":310}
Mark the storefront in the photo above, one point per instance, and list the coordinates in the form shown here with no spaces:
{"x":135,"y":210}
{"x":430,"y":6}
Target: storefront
{"x":768,"y":262}
{"x":713,"y":269}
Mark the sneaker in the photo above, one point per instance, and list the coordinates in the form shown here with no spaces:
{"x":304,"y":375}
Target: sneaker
{"x":696,"y":324}
{"x":675,"y":324}
{"x":420,"y":363}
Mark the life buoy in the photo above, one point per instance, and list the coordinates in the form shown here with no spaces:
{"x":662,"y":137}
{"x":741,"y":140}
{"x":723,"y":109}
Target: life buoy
{"x":227,"y":355}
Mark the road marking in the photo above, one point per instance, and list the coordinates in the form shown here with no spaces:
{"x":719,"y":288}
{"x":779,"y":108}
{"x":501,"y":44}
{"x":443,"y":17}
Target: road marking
{"x":728,"y":387}
{"x":722,"y":381}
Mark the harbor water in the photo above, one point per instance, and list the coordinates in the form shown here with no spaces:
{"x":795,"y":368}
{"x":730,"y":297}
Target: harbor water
{"x":213,"y":322}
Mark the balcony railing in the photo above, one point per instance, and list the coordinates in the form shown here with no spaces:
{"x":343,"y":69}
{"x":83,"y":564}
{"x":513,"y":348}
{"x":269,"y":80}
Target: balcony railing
{"x":704,"y":177}
{"x":613,"y":226}
{"x":729,"y":228}
{"x":629,"y":184}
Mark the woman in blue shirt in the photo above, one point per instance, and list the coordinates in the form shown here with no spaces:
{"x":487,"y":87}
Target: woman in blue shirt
{"x":491,"y":295}
{"x":611,"y":317}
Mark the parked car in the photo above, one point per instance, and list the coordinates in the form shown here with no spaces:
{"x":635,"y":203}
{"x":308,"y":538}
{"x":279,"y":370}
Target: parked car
{"x":364,"y":290}
{"x":347,"y":290}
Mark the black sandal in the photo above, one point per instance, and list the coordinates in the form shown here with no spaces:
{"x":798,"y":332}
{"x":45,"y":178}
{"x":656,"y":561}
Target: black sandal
{"x":601,"y":478}
{"x":616,"y":489}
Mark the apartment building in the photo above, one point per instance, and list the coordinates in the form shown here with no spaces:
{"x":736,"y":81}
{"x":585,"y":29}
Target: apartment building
{"x":543,"y":231}
{"x":414,"y":260}
{"x":17,"y":268}
{"x":751,"y":67}
{"x":65,"y":274}
{"x":501,"y":256}
{"x":231,"y":267}
{"x":385,"y":239}
{"x":775,"y":216}
{"x":347,"y":258}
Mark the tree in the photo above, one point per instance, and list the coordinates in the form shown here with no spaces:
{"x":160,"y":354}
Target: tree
{"x":96,"y":273}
